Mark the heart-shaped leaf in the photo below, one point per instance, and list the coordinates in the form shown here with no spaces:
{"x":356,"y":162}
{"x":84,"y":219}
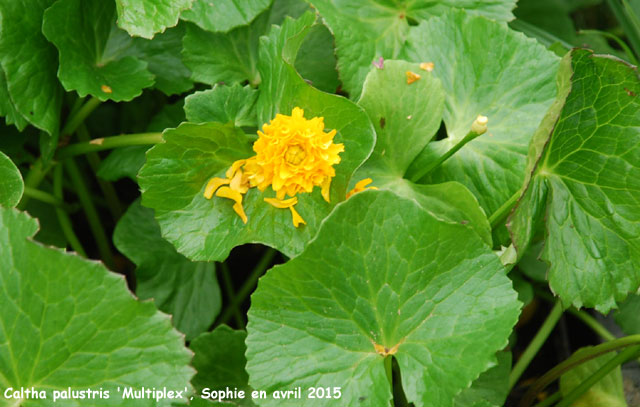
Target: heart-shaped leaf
{"x":396,"y":282}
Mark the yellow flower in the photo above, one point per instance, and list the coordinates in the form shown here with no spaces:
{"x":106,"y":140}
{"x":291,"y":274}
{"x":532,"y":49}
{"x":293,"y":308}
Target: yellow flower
{"x":293,"y":155}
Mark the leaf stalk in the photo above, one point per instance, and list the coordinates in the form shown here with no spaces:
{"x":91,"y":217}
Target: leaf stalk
{"x":91,"y":213}
{"x":418,"y":176}
{"x":535,"y":344}
{"x":108,"y":143}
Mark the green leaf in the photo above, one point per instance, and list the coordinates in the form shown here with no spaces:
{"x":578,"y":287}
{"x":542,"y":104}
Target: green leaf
{"x":144,"y":18}
{"x":66,"y":321}
{"x":223,"y":104}
{"x":164,"y":59}
{"x":430,"y":291}
{"x":627,"y":315}
{"x":585,"y":182}
{"x":406,"y":117}
{"x":7,"y":108}
{"x":50,"y":232}
{"x":367,"y":30}
{"x":220,"y":362}
{"x":91,"y":61}
{"x":218,"y":57}
{"x":488,"y":78}
{"x":223,"y":15}
{"x":607,"y":392}
{"x":531,"y":265}
{"x":11,"y":184}
{"x":491,"y":388}
{"x":316,"y":61}
{"x":30,"y":63}
{"x":187,"y":290}
{"x":176,"y":172}
{"x":232,"y":57}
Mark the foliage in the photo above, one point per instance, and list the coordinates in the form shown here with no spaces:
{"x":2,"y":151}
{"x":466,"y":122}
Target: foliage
{"x":490,"y":163}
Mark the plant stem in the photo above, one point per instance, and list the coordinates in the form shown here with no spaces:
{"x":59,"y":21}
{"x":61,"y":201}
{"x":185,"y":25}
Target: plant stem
{"x":228,"y":287}
{"x":99,"y":144}
{"x":78,"y":116}
{"x":90,"y":211}
{"x":628,"y":22}
{"x":388,"y":369}
{"x":622,"y":357}
{"x":573,"y":361}
{"x":535,"y":344}
{"x":44,"y":197}
{"x":622,"y":44}
{"x":502,"y":212}
{"x":248,"y":285}
{"x":428,"y":168}
{"x":550,"y":400}
{"x":592,"y":323}
{"x":33,"y":179}
{"x":545,"y":37}
{"x":63,"y":217}
{"x":583,"y":316}
{"x":109,"y":192}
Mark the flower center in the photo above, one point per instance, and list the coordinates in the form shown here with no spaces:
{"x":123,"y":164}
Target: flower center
{"x":294,"y":155}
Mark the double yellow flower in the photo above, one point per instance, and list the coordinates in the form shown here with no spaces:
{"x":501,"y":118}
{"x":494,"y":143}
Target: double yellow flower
{"x":293,"y":155}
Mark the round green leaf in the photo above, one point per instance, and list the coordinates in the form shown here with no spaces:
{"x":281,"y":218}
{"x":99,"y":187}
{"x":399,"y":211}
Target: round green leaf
{"x":584,"y":184}
{"x":90,"y":60}
{"x":480,"y":65}
{"x":367,"y":30}
{"x":223,"y":15}
{"x":397,"y":279}
{"x":145,"y":18}
{"x":187,"y":290}
{"x":11,"y":184}
{"x":68,"y":322}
